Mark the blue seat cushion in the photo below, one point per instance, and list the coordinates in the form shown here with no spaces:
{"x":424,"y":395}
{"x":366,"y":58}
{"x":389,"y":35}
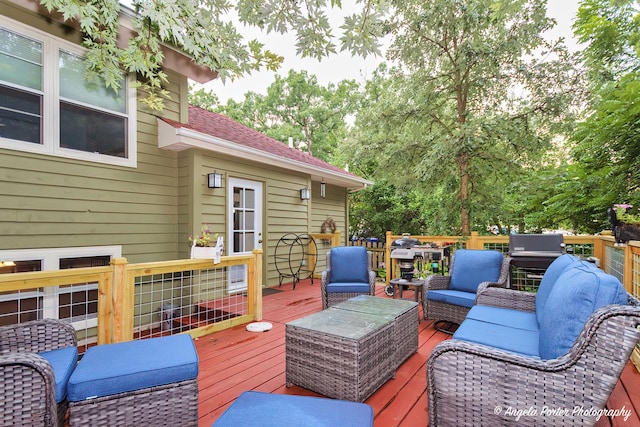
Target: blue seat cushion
{"x":349,"y":264}
{"x":117,"y":368}
{"x":504,"y":337}
{"x":472,"y":267}
{"x":504,"y":316}
{"x":63,"y":361}
{"x":256,"y":409}
{"x":461,"y":298}
{"x":348,"y":287}
{"x":579,"y":291}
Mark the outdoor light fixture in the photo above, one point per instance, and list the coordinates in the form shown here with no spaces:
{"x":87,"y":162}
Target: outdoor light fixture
{"x":323,"y":189}
{"x":305,"y":193}
{"x":214,"y":180}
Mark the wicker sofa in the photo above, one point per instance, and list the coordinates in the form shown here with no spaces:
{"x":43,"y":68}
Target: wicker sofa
{"x":550,"y":358}
{"x":30,"y":353}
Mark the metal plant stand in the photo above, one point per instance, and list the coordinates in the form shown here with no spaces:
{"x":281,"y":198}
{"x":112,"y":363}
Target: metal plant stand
{"x":292,"y":257}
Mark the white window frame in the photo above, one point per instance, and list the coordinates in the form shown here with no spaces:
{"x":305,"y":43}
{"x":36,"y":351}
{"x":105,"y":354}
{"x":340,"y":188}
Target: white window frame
{"x":51,"y":103}
{"x":50,"y":259}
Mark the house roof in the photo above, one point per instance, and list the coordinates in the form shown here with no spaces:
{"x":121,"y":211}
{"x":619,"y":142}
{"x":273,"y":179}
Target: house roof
{"x":218,"y":133}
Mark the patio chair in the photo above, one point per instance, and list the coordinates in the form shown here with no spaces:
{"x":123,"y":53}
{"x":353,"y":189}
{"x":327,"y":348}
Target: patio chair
{"x":449,"y":298}
{"x":36,"y":360}
{"x":472,"y":384}
{"x":348,"y":274}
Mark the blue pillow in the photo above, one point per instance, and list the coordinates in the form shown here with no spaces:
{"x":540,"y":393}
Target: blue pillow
{"x":579,"y":292}
{"x":555,"y":269}
{"x":349,"y":264}
{"x":472,"y":267}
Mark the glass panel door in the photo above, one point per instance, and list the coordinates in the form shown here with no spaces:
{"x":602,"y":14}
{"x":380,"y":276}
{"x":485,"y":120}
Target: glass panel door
{"x":245,"y":227}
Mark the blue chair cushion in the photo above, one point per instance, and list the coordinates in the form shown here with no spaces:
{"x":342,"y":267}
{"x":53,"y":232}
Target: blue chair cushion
{"x":578,"y":292}
{"x":63,"y":361}
{"x":507,"y":338}
{"x":349,"y":264}
{"x":348,"y":287}
{"x":555,"y":269}
{"x":504,"y":316}
{"x":256,"y":409}
{"x":461,"y":298}
{"x":472,"y":267}
{"x":109,"y":369}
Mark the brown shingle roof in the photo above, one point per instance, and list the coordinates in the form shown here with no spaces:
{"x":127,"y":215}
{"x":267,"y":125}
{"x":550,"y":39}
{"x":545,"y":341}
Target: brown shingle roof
{"x":220,"y":126}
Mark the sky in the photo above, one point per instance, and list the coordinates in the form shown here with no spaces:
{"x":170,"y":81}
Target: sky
{"x":343,"y":66}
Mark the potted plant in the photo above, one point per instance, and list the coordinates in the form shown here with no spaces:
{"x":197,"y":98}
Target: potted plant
{"x":625,"y":222}
{"x":206,"y":245}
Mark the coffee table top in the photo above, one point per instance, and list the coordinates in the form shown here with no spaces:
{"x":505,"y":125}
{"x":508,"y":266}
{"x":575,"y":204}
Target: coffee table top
{"x":342,"y":323}
{"x":383,"y":307}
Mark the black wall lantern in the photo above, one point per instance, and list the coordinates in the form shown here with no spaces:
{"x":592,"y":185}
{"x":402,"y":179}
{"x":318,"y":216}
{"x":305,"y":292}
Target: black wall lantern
{"x":214,"y":180}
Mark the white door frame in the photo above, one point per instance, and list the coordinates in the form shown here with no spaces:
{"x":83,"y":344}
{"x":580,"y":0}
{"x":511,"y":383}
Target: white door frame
{"x":237,"y":281}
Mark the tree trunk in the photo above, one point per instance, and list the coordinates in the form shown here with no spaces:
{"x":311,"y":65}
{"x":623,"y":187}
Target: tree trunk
{"x":463,"y":166}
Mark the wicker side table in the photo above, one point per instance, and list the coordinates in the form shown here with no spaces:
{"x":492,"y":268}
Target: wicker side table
{"x":404,"y":315}
{"x":339,"y":353}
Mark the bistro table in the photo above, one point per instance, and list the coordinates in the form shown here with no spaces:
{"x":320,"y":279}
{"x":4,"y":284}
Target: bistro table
{"x":401,"y":283}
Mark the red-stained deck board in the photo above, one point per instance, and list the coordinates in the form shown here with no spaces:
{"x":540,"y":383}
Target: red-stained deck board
{"x":234,"y":360}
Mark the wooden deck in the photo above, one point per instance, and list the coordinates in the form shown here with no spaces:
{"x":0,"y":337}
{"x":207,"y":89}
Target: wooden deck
{"x":234,"y":360}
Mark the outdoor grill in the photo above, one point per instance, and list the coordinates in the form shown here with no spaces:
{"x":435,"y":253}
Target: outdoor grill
{"x":408,"y":250}
{"x":535,"y":251}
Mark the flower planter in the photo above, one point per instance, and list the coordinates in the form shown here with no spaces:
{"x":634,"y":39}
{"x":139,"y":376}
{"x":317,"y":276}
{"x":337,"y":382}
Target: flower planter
{"x":625,"y":232}
{"x":203,"y":252}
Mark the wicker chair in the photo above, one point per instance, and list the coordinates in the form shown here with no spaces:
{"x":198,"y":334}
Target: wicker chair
{"x":475,"y":385}
{"x":455,"y":293}
{"x":28,"y":382}
{"x":347,"y":275}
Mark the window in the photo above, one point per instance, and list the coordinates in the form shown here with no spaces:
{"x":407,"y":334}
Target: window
{"x":48,"y":106}
{"x":77,"y":303}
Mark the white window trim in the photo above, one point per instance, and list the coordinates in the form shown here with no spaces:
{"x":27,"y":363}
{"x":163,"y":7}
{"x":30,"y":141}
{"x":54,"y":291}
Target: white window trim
{"x":51,"y":109}
{"x":50,"y":258}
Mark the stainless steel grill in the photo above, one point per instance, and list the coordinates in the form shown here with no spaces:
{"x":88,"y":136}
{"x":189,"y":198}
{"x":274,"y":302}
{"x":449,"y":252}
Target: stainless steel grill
{"x":535,"y":251}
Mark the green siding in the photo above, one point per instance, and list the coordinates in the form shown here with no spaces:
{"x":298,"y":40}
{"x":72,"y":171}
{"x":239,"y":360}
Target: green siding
{"x":153,"y":208}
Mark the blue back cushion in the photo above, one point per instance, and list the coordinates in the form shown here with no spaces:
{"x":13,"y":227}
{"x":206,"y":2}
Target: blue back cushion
{"x":579,"y":291}
{"x":555,"y":269}
{"x":472,"y":267}
{"x":349,"y":264}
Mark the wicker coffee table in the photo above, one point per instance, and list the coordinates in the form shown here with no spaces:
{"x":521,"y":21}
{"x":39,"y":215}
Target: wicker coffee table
{"x":404,"y":315}
{"x":340,"y":353}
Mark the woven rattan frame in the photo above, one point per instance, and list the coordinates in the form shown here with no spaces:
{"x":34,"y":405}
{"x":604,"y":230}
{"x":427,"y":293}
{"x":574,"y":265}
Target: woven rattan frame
{"x":173,"y":404}
{"x":436,"y":310}
{"x":474,"y":385}
{"x":338,"y":367}
{"x":28,"y":384}
{"x":331,"y":298}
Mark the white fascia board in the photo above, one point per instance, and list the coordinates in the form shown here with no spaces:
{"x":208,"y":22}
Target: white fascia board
{"x":179,"y":139}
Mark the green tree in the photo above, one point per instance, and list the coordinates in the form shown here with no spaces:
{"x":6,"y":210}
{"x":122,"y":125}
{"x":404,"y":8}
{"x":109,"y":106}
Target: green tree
{"x":295,"y":107}
{"x":474,"y":101}
{"x":607,"y":151}
{"x":206,"y":31}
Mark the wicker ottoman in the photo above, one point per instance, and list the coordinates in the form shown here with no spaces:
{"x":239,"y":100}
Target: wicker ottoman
{"x":404,"y":315}
{"x":340,"y":353}
{"x":255,"y":409}
{"x":148,"y":382}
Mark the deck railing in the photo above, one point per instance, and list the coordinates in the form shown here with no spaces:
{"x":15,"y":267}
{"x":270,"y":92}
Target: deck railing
{"x":622,"y":261}
{"x":192,"y":296}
